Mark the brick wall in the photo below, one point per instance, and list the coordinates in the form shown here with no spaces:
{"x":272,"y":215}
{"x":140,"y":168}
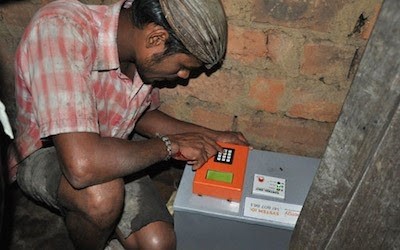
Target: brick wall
{"x":287,"y":71}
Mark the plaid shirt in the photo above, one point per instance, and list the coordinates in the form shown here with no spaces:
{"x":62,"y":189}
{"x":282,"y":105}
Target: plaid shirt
{"x":68,"y":78}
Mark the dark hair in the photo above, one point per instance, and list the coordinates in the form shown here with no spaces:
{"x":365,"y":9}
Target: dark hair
{"x":149,"y":11}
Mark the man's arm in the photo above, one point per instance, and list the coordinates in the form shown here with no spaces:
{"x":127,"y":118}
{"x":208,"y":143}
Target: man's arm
{"x":192,"y":143}
{"x":88,"y":159}
{"x":155,"y":121}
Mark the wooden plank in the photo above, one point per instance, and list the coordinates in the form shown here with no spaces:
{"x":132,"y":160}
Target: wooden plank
{"x":372,"y":218}
{"x":366,"y":116}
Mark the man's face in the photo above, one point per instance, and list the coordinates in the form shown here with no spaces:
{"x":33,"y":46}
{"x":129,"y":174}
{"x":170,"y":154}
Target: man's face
{"x":167,"y":70}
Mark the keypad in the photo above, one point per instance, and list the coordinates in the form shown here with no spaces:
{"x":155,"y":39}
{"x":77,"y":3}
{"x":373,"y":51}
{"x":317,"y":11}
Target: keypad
{"x":226,"y":156}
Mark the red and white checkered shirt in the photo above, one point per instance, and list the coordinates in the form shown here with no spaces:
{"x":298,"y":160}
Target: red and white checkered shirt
{"x":68,"y":78}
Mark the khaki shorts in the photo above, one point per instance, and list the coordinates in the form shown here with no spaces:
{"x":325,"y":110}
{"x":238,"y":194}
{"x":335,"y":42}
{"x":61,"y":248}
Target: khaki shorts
{"x":39,"y":176}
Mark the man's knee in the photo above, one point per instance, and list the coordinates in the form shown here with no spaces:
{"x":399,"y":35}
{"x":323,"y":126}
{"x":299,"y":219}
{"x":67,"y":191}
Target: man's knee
{"x":162,"y":240}
{"x":100,"y":204}
{"x":157,"y":235}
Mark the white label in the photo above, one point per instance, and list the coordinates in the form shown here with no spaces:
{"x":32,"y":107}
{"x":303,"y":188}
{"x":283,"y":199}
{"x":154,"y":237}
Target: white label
{"x":272,"y":211}
{"x":269,"y":186}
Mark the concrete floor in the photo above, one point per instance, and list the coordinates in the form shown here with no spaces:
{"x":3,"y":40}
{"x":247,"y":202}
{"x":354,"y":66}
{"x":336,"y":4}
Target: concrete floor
{"x":30,"y":226}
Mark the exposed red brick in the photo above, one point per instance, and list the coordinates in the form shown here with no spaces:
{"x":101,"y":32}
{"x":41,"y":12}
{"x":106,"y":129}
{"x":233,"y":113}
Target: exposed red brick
{"x":291,"y":136}
{"x":212,"y":118}
{"x":315,"y":104}
{"x":222,"y":87}
{"x":320,"y":59}
{"x":319,"y":111}
{"x":246,"y":44}
{"x":279,"y":46}
{"x":267,"y":93}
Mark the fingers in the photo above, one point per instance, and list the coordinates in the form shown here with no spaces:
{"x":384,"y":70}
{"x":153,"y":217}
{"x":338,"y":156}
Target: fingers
{"x":196,"y":165}
{"x":194,"y":148}
{"x":237,"y":138}
{"x":232,"y":137}
{"x":197,"y":148}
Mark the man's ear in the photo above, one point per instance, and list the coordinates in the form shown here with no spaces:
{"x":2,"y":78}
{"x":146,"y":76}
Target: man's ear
{"x":157,"y":36}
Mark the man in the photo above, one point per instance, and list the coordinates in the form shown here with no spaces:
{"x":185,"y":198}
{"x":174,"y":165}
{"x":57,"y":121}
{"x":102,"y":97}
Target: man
{"x":85,"y":78}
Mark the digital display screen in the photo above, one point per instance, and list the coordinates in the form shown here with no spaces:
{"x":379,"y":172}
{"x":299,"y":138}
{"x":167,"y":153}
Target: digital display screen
{"x":219,"y":176}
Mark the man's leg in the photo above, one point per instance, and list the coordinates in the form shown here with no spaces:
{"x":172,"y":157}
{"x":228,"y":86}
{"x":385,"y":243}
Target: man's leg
{"x":146,"y":222}
{"x":157,"y":235}
{"x":91,"y":214}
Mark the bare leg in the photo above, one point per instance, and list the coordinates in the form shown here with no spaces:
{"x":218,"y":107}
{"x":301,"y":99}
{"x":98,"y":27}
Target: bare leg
{"x":84,"y":234}
{"x":91,"y":213}
{"x":158,"y":235}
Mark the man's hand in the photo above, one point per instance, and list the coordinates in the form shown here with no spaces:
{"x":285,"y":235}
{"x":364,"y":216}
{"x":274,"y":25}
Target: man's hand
{"x":190,"y":142}
{"x":197,"y":148}
{"x":230,"y":137}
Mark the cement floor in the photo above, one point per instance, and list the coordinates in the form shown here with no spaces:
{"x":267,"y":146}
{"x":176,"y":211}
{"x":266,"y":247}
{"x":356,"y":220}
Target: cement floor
{"x":28,"y":225}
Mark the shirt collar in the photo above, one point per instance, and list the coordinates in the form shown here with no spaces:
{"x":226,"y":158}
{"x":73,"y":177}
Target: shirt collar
{"x":106,"y":44}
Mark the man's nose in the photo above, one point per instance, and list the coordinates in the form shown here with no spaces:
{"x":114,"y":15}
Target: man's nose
{"x":183,"y":73}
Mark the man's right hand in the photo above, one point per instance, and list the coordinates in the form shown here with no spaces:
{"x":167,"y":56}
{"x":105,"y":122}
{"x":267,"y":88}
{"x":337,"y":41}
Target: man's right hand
{"x":195,"y":148}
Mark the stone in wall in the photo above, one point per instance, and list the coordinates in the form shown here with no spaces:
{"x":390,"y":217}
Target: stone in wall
{"x":313,"y":14}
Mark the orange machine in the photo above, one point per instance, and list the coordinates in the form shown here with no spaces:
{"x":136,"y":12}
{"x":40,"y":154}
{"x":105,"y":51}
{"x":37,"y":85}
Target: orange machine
{"x":222,"y":176}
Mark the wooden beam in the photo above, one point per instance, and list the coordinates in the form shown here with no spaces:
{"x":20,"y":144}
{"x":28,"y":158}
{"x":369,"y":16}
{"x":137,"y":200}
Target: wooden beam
{"x":354,"y":201}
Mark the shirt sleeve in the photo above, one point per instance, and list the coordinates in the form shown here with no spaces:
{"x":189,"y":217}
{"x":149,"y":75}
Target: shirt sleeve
{"x":55,"y":66}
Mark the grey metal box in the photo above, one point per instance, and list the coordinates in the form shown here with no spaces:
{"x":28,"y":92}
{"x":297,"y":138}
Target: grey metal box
{"x":203,"y":222}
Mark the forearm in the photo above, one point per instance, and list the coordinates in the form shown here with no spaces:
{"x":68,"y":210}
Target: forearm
{"x":155,"y":121}
{"x":89,"y":159}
